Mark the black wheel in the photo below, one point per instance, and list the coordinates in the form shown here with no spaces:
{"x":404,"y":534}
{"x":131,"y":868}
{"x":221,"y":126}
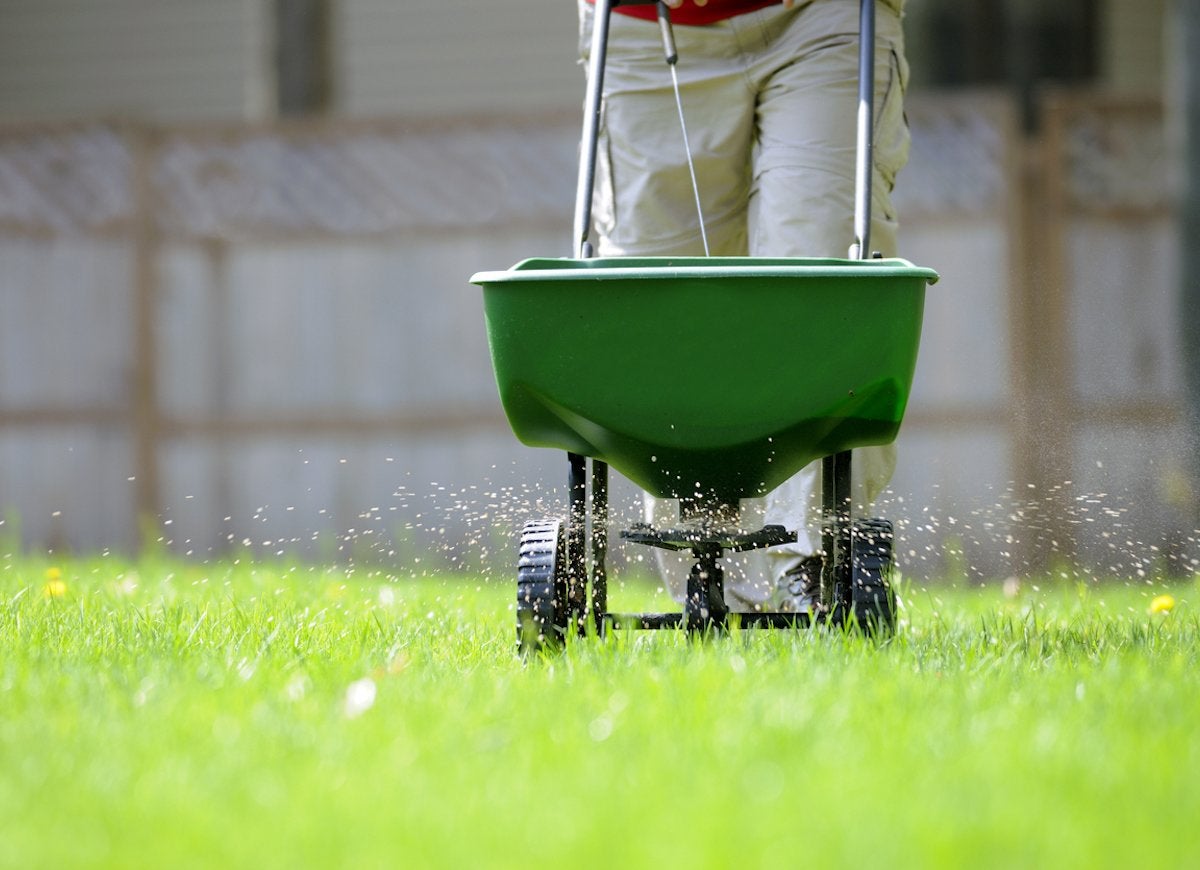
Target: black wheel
{"x":872,"y":597}
{"x":542,"y":613}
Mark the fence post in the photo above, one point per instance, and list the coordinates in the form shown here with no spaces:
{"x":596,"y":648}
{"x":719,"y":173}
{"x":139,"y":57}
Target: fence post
{"x":1041,"y":352}
{"x":1188,"y":71}
{"x":147,"y":417}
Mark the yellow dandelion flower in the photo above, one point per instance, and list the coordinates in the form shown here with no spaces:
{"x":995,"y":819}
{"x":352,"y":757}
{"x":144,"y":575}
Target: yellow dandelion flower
{"x":55,"y":587}
{"x":53,"y":573}
{"x":1162,"y":604}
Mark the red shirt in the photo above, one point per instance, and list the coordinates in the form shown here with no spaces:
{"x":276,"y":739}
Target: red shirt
{"x":690,"y":13}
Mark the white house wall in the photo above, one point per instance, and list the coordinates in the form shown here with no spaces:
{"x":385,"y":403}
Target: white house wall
{"x":148,"y":59}
{"x":433,"y":57}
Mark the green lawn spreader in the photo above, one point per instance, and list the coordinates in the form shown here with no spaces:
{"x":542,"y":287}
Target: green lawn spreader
{"x":630,"y":363}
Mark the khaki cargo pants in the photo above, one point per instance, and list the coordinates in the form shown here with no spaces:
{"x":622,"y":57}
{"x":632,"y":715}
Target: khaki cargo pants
{"x":770,"y":99}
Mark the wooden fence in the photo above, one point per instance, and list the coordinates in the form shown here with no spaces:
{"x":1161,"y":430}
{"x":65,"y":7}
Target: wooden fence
{"x":263,"y":335}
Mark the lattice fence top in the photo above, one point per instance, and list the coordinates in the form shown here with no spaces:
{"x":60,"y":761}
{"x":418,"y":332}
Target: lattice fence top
{"x":326,"y":180}
{"x":961,"y":158}
{"x":365,"y":182}
{"x":1115,"y":160}
{"x":357,"y":179}
{"x":65,"y":180}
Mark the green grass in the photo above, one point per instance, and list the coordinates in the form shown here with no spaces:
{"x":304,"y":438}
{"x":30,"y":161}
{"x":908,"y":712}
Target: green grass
{"x":157,"y":714}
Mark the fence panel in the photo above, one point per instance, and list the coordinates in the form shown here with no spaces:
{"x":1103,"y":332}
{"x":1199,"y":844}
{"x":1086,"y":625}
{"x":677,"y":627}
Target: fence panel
{"x":1115,"y":260}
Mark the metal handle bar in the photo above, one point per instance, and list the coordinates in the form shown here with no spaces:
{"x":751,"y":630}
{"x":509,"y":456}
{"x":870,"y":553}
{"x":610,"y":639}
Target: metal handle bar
{"x":865,"y":147}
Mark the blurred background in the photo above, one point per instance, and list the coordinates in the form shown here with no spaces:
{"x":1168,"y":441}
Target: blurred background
{"x":236,"y":237}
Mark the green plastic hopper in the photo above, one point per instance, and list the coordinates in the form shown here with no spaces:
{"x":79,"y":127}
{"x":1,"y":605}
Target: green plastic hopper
{"x":713,"y":377}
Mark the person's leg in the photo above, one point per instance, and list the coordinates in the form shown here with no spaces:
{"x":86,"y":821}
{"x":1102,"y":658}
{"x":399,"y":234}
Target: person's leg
{"x":802,"y":193}
{"x":802,"y":200}
{"x":644,"y":202}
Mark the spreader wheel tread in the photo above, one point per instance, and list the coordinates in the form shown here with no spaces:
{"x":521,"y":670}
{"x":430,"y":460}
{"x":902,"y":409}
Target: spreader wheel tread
{"x":872,"y":597}
{"x":542,"y":586}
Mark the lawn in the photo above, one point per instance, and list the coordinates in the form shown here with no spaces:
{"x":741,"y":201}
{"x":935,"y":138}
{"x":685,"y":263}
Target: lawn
{"x":161,"y":714}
